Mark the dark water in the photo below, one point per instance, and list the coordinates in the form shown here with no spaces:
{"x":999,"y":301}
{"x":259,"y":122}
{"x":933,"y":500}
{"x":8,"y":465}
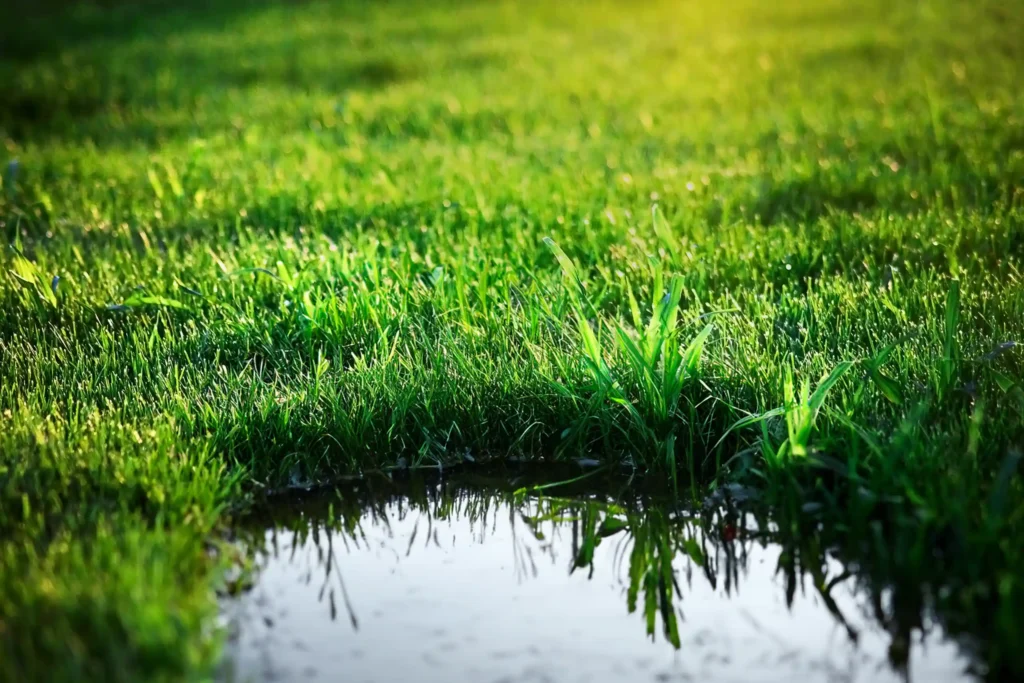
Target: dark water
{"x":448,"y":582}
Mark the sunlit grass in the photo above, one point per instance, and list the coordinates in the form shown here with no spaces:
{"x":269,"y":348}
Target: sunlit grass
{"x":248,"y":246}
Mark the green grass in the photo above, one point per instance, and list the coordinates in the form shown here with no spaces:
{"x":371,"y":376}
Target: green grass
{"x":301,"y":240}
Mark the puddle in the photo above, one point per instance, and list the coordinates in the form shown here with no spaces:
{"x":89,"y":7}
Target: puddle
{"x":446,"y":582}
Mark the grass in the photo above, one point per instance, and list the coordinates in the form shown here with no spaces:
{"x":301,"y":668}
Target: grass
{"x":248,"y":245}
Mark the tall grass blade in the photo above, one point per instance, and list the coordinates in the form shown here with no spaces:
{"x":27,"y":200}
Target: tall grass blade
{"x":694,"y":350}
{"x":821,"y":392}
{"x":949,"y":345}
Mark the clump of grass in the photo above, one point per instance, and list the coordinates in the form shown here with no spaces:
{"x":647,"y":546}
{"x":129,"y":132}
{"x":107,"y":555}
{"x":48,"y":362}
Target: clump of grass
{"x":800,"y":412}
{"x":649,"y":371}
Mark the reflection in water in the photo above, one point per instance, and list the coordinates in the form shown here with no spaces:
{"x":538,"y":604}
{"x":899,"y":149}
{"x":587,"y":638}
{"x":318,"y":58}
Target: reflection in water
{"x":447,"y":583}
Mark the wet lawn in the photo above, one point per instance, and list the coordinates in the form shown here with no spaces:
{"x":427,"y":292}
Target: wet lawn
{"x":248,"y":246}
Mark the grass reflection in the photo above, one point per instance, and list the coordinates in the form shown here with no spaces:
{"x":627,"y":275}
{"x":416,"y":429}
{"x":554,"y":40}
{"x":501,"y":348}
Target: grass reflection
{"x":656,"y":551}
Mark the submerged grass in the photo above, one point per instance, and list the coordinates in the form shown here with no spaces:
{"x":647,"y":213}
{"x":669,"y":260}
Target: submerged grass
{"x":254,"y":245}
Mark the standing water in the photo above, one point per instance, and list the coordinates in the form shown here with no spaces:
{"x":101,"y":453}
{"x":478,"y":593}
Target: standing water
{"x":450,"y":582}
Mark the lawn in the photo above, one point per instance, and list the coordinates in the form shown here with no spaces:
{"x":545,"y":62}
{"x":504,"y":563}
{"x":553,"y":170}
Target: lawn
{"x":253,"y":245}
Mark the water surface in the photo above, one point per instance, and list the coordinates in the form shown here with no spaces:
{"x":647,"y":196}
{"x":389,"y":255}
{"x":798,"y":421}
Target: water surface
{"x":446,"y":582}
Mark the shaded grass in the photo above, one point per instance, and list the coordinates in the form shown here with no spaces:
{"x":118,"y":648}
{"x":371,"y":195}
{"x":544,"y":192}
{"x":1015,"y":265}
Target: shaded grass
{"x":293,"y":242}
